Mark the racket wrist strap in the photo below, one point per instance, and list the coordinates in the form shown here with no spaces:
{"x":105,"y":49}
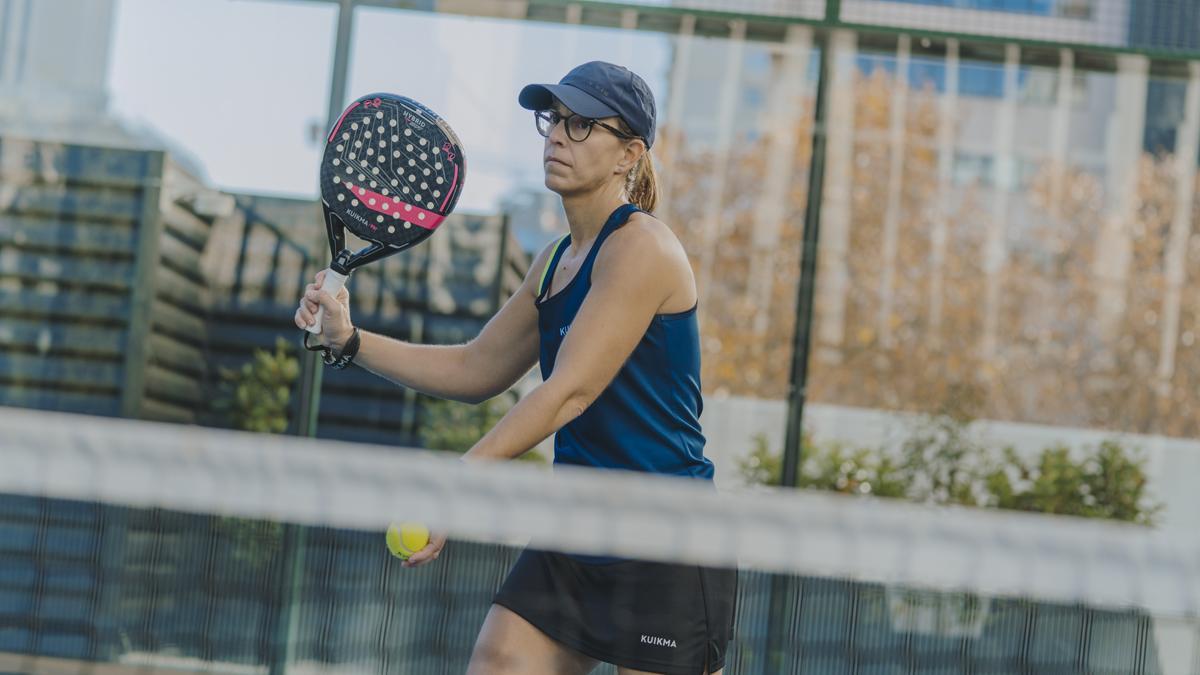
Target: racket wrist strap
{"x":348,"y":352}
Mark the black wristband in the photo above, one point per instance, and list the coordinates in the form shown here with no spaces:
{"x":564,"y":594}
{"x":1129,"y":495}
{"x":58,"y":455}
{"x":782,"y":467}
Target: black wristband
{"x":348,"y":352}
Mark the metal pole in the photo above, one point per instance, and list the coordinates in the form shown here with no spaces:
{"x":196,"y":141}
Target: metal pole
{"x":310,"y":373}
{"x":141,"y":297}
{"x":341,"y":61}
{"x":310,"y":390}
{"x":802,"y":335}
{"x":779,"y":618}
{"x":498,"y":296}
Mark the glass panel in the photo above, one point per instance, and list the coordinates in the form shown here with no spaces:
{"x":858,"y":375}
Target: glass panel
{"x":1009,"y":273}
{"x":275,"y":59}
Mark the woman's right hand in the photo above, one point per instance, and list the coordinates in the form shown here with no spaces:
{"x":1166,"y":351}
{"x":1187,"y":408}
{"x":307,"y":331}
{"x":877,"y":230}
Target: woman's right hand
{"x":336,"y":327}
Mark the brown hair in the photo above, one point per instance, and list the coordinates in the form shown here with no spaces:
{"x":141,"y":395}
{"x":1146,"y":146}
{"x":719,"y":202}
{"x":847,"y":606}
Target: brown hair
{"x":641,"y":183}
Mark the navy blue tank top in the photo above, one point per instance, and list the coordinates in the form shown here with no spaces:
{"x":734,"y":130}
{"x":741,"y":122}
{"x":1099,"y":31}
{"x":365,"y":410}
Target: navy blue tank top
{"x":648,"y":419}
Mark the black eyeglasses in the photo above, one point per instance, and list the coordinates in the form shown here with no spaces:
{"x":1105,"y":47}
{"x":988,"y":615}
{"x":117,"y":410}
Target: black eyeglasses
{"x":578,"y":126}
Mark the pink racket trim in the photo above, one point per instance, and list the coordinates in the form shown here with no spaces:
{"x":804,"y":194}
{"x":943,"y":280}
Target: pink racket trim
{"x":451,"y":190}
{"x":408,"y":212}
{"x":337,"y":127}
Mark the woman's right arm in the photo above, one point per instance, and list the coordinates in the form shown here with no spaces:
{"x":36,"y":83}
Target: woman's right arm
{"x":501,"y":354}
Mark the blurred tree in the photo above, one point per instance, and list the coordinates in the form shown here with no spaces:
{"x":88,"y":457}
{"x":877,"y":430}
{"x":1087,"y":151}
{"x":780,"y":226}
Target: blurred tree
{"x":1052,"y":361}
{"x":746,"y":327}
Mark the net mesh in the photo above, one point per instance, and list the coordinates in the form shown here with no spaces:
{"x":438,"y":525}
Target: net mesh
{"x":131,"y":547}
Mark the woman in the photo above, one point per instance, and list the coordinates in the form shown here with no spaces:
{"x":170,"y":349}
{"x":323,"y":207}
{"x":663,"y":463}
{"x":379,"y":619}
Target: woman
{"x":609,"y":313}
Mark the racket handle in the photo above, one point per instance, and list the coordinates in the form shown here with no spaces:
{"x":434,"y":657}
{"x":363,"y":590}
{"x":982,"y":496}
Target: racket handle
{"x":333,"y":285}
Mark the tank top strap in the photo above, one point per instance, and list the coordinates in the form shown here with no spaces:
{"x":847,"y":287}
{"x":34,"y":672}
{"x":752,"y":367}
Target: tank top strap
{"x":618,"y":218}
{"x":551,"y":265}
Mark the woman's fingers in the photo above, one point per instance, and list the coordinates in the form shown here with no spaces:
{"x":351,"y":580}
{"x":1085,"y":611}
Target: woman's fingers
{"x":428,"y":554}
{"x":310,"y":301}
{"x":342,"y":294}
{"x":316,"y":297}
{"x":308,"y":307}
{"x":323,"y":299}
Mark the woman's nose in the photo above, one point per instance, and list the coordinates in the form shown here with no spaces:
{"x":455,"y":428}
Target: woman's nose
{"x":558,"y":132}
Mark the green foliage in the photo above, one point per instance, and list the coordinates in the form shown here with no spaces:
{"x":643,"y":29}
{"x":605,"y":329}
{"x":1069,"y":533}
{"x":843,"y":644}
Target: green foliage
{"x":939,"y":463}
{"x":831,"y":467}
{"x":856,"y":472}
{"x":1107,"y":483}
{"x":761,"y":466}
{"x":456,"y":427}
{"x":257,"y":396}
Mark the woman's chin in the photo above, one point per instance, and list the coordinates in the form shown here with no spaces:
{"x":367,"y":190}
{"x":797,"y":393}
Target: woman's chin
{"x":555,"y":184}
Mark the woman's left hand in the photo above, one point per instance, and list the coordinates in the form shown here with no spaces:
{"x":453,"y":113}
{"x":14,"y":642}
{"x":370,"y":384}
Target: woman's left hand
{"x":437,"y":541}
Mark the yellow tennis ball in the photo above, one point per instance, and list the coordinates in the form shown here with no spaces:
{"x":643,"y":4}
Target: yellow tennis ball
{"x":405,"y":539}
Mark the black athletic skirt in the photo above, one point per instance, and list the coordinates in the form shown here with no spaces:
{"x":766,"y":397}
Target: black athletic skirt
{"x":660,"y":617}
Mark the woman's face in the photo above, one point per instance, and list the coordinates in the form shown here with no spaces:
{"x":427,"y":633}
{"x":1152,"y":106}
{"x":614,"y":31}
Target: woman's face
{"x":580,"y":167}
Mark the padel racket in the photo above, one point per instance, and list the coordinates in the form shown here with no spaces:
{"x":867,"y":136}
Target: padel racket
{"x":391,"y":173}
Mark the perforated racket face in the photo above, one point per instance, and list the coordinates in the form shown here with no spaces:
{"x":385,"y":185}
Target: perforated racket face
{"x":392,"y":170}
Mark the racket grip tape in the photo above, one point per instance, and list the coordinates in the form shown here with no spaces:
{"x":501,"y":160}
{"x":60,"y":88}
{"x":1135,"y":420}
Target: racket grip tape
{"x":333,"y":285}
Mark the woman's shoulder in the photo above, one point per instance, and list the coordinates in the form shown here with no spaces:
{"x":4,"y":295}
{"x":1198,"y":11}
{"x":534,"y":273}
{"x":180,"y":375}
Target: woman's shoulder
{"x":645,"y":230}
{"x":646,"y":250}
{"x":647,"y":220}
{"x":645,"y":246}
{"x":648,"y":240}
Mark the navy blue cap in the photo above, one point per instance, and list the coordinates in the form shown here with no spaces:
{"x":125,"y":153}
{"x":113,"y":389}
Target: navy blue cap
{"x":599,"y":89}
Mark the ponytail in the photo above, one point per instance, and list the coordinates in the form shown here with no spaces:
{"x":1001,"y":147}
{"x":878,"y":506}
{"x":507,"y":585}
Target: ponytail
{"x":641,"y":184}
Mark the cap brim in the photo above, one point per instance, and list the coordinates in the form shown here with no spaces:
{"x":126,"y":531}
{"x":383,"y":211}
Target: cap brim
{"x":541,"y":97}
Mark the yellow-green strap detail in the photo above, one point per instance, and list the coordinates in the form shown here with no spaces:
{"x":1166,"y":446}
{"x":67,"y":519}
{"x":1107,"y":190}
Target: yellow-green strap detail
{"x":549,"y":262}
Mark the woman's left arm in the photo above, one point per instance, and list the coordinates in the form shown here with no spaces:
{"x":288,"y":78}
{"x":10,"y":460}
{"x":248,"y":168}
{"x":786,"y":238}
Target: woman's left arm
{"x":632,"y":276}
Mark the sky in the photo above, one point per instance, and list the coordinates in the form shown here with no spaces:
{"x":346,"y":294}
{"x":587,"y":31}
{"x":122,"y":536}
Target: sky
{"x":193,"y":68}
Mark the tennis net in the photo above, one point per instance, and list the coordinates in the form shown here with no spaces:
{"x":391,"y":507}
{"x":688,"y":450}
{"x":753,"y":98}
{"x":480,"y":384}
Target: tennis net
{"x":134,"y":547}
